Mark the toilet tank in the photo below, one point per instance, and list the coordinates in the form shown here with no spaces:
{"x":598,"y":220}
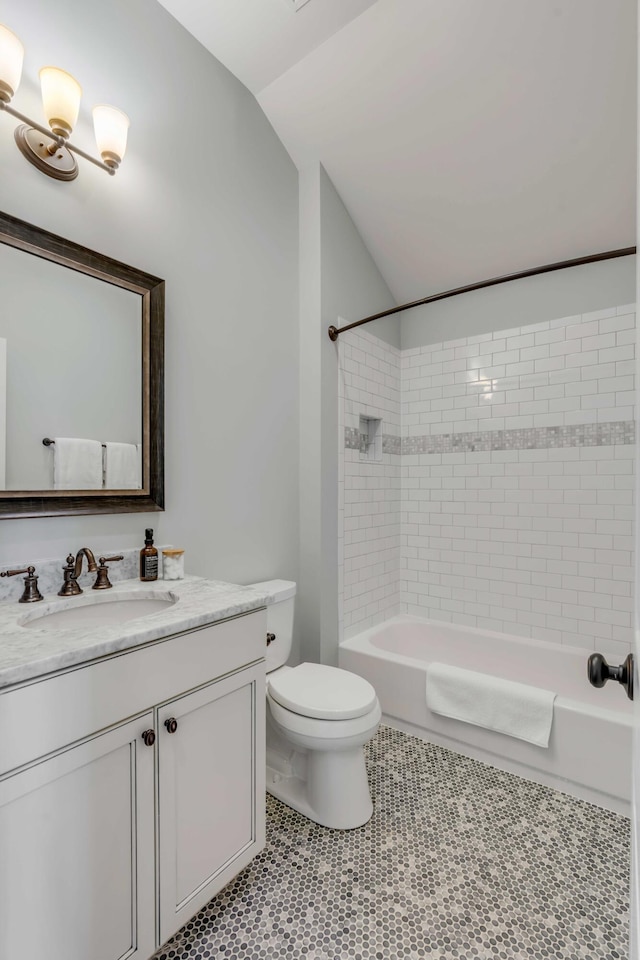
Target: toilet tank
{"x":279,"y":619}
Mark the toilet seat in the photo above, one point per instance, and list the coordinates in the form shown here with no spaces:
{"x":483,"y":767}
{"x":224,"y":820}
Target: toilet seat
{"x":320,"y":692}
{"x":342,"y":735}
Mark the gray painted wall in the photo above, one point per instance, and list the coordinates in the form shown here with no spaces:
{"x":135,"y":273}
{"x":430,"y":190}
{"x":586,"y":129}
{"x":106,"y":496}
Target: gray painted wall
{"x":546,"y":297}
{"x":338,"y":279}
{"x":216,"y":217}
{"x":352,"y":285}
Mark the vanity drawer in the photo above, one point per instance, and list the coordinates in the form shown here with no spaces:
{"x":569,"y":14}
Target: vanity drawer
{"x":48,"y":714}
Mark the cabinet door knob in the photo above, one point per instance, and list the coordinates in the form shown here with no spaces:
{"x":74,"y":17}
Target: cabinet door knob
{"x":149,"y":738}
{"x":171,"y":724}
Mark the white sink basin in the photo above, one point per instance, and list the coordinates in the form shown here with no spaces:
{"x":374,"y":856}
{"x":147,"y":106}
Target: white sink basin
{"x":100,"y":613}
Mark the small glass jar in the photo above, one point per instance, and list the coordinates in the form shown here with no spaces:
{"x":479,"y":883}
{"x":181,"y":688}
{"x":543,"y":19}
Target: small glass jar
{"x":173,"y":564}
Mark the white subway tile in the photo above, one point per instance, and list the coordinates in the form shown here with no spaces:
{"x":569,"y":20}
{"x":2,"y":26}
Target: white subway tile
{"x":520,"y":340}
{"x":574,"y":417}
{"x":533,"y":407}
{"x":553,"y":392}
{"x":511,"y":356}
{"x":619,"y":324}
{"x":564,"y":321}
{"x":579,"y":330}
{"x":599,"y":342}
{"x":599,"y":314}
{"x":539,"y":352}
{"x":534,"y":380}
{"x":598,"y":371}
{"x":492,"y":534}
{"x":564,"y":376}
{"x":454,"y":366}
{"x":625,"y":367}
{"x":612,"y":414}
{"x":550,"y":364}
{"x":518,"y":369}
{"x":581,"y":388}
{"x":548,"y":419}
{"x":616,"y":354}
{"x":480,"y":338}
{"x":597,"y":400}
{"x":626,"y":337}
{"x":615,"y":383}
{"x":579,"y":359}
{"x":467,"y":350}
{"x":550,"y":336}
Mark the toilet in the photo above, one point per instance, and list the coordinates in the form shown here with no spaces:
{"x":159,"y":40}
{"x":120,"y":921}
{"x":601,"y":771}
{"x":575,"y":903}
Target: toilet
{"x":318,"y":720}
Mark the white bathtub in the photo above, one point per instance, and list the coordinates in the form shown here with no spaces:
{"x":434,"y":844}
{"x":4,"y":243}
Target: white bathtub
{"x":589,"y":754}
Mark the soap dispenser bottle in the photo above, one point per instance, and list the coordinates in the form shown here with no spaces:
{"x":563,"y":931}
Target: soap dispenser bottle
{"x":148,"y":558}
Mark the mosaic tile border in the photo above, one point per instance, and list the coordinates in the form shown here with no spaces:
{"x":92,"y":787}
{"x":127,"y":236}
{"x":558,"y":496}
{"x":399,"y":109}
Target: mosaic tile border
{"x":532,"y":438}
{"x":391,"y":444}
{"x":354,"y":440}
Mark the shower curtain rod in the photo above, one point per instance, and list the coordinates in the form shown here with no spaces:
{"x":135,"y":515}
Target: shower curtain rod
{"x":334,"y":332}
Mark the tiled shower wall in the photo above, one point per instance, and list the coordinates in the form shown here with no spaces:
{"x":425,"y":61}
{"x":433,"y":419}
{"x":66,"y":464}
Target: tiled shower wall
{"x":369,"y":561}
{"x":517,"y":457}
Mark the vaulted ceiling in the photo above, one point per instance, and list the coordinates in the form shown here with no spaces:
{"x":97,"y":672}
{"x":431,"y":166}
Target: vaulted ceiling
{"x":467,"y":138}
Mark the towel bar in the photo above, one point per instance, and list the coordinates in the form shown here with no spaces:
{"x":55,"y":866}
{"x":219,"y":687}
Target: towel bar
{"x":49,"y":443}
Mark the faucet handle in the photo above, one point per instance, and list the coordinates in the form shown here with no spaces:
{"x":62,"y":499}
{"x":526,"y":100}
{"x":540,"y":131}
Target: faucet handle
{"x":30,"y":594}
{"x":102,"y":580}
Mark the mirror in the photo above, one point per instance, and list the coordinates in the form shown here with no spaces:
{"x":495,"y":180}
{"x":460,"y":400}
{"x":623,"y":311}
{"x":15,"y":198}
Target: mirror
{"x":81,"y":379}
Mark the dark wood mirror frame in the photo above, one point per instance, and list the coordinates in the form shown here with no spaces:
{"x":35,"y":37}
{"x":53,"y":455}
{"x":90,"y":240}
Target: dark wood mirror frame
{"x":53,"y":503}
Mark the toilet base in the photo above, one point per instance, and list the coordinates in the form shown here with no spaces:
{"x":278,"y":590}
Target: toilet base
{"x":329,"y":787}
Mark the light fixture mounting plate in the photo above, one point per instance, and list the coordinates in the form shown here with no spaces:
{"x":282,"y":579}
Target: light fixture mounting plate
{"x":33,"y":145}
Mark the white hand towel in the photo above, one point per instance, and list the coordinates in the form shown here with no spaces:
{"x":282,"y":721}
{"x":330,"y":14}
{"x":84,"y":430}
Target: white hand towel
{"x":77,"y":464}
{"x":122,"y":467}
{"x":515,"y":709}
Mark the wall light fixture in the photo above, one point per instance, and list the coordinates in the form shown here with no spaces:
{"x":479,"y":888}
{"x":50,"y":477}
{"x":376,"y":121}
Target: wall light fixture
{"x":50,"y":150}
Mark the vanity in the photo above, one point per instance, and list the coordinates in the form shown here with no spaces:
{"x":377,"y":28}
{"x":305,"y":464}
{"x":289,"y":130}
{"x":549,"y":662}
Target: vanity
{"x":132,"y":740}
{"x":131,"y":763}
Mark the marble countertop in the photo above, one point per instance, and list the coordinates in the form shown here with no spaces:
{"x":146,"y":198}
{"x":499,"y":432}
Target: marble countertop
{"x":29,"y":651}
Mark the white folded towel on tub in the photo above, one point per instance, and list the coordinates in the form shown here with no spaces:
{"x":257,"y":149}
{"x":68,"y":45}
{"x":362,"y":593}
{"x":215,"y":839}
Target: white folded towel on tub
{"x":515,"y":709}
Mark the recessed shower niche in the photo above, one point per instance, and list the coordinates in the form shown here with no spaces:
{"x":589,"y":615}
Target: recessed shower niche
{"x":370,"y":431}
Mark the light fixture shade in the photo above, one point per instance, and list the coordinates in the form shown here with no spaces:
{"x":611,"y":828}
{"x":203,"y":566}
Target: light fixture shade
{"x":11,"y":57}
{"x":61,"y":95}
{"x":111,"y":127}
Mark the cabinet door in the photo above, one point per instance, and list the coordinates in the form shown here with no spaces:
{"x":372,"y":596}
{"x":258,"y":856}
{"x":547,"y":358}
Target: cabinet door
{"x":211,"y":791}
{"x":77,"y":852}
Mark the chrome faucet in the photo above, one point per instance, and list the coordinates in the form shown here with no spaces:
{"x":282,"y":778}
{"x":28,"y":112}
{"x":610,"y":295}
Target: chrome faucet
{"x":73,"y":569}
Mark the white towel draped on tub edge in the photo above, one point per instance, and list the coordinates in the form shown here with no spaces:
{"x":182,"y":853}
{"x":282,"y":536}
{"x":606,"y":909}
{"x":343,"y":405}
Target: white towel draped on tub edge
{"x":515,"y":709}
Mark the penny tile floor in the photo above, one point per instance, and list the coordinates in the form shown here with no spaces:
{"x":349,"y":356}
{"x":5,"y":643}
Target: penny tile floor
{"x":458,"y":861}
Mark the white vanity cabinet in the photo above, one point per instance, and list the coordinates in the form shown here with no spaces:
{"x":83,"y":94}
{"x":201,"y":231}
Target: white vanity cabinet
{"x":209,"y":815}
{"x":76,"y":852}
{"x":131,"y":791}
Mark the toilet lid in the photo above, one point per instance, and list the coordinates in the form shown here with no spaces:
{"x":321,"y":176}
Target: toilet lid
{"x":327,"y":693}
